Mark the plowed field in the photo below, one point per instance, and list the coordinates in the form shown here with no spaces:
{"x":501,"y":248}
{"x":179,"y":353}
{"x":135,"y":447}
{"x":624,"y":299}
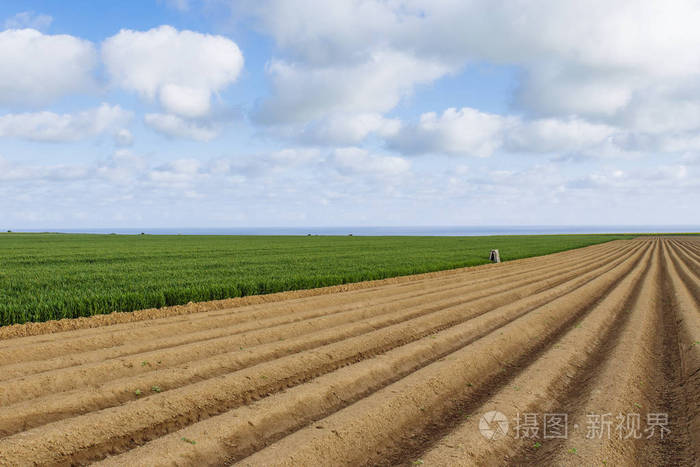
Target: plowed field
{"x":605,"y":339}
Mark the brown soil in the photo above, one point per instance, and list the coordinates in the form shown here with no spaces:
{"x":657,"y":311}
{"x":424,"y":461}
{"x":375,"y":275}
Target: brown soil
{"x":392,"y":372}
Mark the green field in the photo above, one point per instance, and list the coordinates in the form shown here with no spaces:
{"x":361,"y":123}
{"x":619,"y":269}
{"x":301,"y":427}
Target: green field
{"x":53,"y":276}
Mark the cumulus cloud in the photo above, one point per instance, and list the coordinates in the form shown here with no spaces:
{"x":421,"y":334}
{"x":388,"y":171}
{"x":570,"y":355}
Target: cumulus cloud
{"x":337,"y":129}
{"x":182,"y":69}
{"x":59,"y":65}
{"x":596,"y":62}
{"x":551,"y":135}
{"x":185,"y":101}
{"x":470,"y":132}
{"x":176,"y":127}
{"x":352,"y":160}
{"x":595,"y":78}
{"x":673,"y":110}
{"x":28,"y":19}
{"x":303,"y":93}
{"x":52,"y":127}
{"x":465,"y":132}
{"x":347,"y":129}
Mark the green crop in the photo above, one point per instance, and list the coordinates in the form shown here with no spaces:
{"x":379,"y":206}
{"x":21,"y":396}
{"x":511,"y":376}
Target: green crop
{"x":54,"y":276}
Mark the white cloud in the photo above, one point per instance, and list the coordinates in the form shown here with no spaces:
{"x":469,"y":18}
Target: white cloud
{"x":352,"y":161}
{"x":628,"y":64}
{"x":331,"y":32}
{"x":645,"y":181}
{"x":180,"y":68}
{"x":469,"y":132}
{"x":11,"y":171}
{"x":122,"y":168}
{"x":346,"y":129}
{"x":52,"y":127}
{"x":685,"y":143}
{"x":674,"y":173}
{"x":123,"y":137}
{"x":574,"y":92}
{"x":185,"y":101}
{"x":660,"y":112}
{"x":349,"y":186}
{"x":39,"y":68}
{"x":337,"y":129}
{"x":179,"y":171}
{"x":352,"y":164}
{"x":270,"y":164}
{"x":29,"y":19}
{"x":552,"y":135}
{"x":176,"y":127}
{"x":303,"y":93}
{"x":293,"y":157}
{"x":463,"y":132}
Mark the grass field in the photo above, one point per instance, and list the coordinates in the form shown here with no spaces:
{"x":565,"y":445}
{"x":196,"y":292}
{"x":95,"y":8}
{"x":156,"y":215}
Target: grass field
{"x":54,"y":276}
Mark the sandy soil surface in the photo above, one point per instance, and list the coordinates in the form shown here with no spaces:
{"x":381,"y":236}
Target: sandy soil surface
{"x":477,"y":366}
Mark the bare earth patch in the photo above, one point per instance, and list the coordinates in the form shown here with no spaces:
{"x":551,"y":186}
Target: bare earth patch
{"x":400,"y":371}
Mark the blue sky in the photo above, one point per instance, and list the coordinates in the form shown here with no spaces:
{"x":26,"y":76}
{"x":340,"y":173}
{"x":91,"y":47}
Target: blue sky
{"x":214,"y":113}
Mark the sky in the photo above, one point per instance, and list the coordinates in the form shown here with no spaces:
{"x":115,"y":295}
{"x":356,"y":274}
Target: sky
{"x":222,"y":113}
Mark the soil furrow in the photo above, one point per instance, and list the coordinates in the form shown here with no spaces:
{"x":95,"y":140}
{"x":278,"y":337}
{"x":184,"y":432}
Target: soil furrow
{"x":392,"y":372}
{"x":690,"y":269}
{"x":355,"y":434}
{"x":118,"y":429}
{"x":609,"y":397}
{"x":296,"y":407}
{"x":686,"y":327}
{"x":32,"y":386}
{"x":39,"y":411}
{"x":535,"y":389}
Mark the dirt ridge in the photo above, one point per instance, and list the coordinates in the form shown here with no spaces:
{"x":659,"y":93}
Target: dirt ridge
{"x":312,"y":378}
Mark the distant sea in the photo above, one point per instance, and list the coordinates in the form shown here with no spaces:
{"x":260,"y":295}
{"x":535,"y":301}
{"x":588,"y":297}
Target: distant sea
{"x":451,"y":231}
